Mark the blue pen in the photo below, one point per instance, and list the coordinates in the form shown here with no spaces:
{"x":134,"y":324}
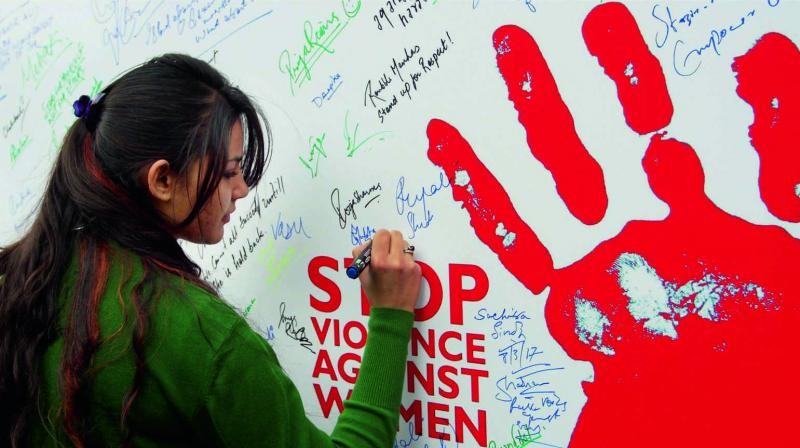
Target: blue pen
{"x":360,"y":262}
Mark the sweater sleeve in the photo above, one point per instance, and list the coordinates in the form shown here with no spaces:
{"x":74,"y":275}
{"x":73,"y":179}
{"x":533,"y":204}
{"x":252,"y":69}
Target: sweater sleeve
{"x":251,"y":402}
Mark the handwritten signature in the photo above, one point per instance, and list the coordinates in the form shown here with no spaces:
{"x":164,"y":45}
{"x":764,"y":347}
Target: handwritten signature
{"x":351,"y":139}
{"x":687,"y":59}
{"x":407,"y":204}
{"x":123,"y":21}
{"x":349,"y":209}
{"x":286,"y":230}
{"x":319,"y":41}
{"x":522,"y":435}
{"x":327,"y":94}
{"x":317,"y":148}
{"x":414,"y":437}
{"x":293,"y":330}
{"x":359,"y":235}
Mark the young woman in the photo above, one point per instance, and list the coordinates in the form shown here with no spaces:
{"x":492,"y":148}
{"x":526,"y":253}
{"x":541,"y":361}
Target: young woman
{"x":109,"y":337}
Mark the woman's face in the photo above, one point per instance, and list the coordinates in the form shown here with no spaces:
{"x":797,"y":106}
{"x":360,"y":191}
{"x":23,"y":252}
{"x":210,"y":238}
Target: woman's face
{"x":207,"y":227}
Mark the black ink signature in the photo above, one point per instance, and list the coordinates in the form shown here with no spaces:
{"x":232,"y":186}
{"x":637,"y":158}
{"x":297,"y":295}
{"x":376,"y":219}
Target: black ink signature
{"x":290,"y":328}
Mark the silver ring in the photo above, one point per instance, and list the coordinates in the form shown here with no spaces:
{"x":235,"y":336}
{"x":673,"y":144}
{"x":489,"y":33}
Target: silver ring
{"x":409,"y":250}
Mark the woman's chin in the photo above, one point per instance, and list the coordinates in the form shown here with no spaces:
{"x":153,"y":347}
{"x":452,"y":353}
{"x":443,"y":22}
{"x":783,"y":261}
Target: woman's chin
{"x":213,"y":237}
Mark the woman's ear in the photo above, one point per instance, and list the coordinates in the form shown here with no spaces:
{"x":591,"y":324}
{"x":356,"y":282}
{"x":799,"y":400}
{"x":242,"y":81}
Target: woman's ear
{"x":161,"y":181}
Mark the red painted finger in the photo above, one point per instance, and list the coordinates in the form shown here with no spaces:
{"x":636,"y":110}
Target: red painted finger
{"x":612,"y":35}
{"x":769,"y":80}
{"x":549,"y":124}
{"x":492,"y":215}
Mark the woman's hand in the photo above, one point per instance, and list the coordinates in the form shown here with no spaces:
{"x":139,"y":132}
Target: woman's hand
{"x":392,"y":278}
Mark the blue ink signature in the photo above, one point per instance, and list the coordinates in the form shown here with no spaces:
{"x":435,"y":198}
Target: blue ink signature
{"x":686,"y":60}
{"x":406,"y":204}
{"x":360,"y":234}
{"x":126,"y":22}
{"x":414,"y":437}
{"x":484,"y":314}
{"x":287,"y":230}
{"x":327,"y":94}
{"x":531,"y":398}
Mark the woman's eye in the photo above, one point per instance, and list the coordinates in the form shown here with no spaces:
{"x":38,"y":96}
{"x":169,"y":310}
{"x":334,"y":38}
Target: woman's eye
{"x":230,"y":174}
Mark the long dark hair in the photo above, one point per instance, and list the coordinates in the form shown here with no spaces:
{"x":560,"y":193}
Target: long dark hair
{"x":172,"y":107}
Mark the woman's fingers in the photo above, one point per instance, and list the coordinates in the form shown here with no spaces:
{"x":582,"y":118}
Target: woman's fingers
{"x":360,"y":248}
{"x":397,"y":243}
{"x":381,"y":245}
{"x":393,"y":278}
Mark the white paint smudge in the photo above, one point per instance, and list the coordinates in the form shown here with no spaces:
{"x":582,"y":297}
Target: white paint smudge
{"x":590,"y":325}
{"x":647,"y":293}
{"x":629,"y":69}
{"x":526,"y":84}
{"x":508,"y":237}
{"x":775,"y":103}
{"x":503,"y":47}
{"x":634,"y":80}
{"x":797,"y":190}
{"x":500,"y":230}
{"x":659,"y":304}
{"x":462,"y":178}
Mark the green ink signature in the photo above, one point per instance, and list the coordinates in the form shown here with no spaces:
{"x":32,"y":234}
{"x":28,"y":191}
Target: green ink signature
{"x":352,"y":141}
{"x":318,"y":42}
{"x":520,"y":436}
{"x":38,"y":64}
{"x":317,"y":149}
{"x":65,"y":87}
{"x":97,"y":85}
{"x":275,"y":263}
{"x":249,"y":307}
{"x":17,"y":148}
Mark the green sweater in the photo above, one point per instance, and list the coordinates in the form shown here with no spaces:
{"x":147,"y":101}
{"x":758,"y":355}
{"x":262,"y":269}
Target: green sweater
{"x":213,"y":381}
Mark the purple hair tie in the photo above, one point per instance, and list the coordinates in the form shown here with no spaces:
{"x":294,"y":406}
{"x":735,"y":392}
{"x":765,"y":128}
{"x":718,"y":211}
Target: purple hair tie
{"x":83,"y":104}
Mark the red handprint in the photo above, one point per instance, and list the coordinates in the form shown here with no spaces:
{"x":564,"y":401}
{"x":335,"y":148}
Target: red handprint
{"x":688,"y":321}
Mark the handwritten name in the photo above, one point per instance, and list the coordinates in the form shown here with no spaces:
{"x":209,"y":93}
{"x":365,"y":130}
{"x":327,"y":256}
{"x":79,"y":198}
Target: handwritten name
{"x":688,"y":58}
{"x":522,"y":435}
{"x":350,"y":209}
{"x":17,"y":149}
{"x":319,"y":40}
{"x":359,"y":235}
{"x":13,"y":121}
{"x":503,"y":314}
{"x":415,"y":206}
{"x":315,"y":153}
{"x":123,"y":23}
{"x":327,"y":94}
{"x":285,"y":230}
{"x":293,"y":329}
